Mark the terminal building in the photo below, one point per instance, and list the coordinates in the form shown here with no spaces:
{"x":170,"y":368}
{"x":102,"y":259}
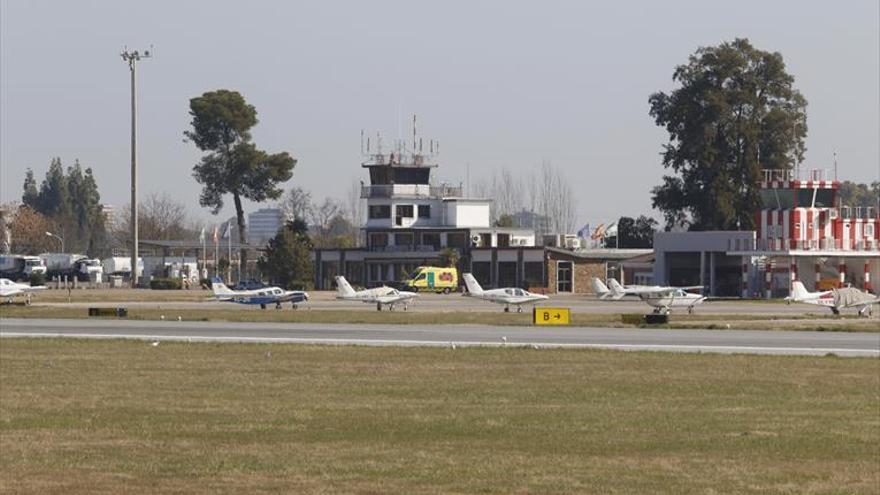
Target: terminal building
{"x":802,"y":233}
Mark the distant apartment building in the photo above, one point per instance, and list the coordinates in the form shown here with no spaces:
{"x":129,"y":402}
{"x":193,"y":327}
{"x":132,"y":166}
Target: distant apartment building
{"x":263,"y":225}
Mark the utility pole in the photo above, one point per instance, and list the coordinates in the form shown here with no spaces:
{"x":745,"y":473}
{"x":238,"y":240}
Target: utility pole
{"x":133,"y":57}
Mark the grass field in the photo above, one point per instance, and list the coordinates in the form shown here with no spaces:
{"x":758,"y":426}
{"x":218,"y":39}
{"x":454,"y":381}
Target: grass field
{"x":119,"y":416}
{"x":684,"y":321}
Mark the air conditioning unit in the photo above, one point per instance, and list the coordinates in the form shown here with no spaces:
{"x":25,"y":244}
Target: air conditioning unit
{"x":572,"y":243}
{"x":475,"y":240}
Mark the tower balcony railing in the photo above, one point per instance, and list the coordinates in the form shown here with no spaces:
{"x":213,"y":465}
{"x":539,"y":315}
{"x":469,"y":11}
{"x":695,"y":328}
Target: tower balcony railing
{"x":410,"y":190}
{"x":779,"y":244}
{"x":783,"y":175}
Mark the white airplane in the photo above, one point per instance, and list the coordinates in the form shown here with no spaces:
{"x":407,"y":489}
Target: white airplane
{"x":386,"y":296}
{"x":10,"y":289}
{"x":663,"y":299}
{"x":264,"y":296}
{"x":507,"y":295}
{"x":835,"y":299}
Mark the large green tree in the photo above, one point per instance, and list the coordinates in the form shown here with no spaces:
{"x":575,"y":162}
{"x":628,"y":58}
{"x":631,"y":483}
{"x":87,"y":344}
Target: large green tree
{"x":286,"y":258}
{"x":71,"y":204}
{"x":634,"y":233}
{"x":221,"y":125}
{"x":735,"y":112}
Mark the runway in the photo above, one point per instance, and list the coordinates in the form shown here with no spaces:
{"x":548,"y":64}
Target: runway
{"x":850,"y":344}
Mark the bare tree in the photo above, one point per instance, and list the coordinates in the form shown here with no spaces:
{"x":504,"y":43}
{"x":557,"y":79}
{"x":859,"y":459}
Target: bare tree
{"x":160,"y":217}
{"x":355,"y":204}
{"x":297,"y":203}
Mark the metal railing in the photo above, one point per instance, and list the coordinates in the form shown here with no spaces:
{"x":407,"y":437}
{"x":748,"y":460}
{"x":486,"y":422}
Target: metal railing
{"x":779,"y":244}
{"x":410,"y":190}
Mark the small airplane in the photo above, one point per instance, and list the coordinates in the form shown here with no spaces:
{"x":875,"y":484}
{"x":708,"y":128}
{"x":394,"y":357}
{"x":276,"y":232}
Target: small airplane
{"x":507,"y":295}
{"x":834,"y":299}
{"x":10,"y":289}
{"x":386,"y":296}
{"x":263,"y":297}
{"x":663,"y":299}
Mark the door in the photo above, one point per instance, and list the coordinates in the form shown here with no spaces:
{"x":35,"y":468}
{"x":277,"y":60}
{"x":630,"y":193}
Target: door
{"x":564,"y":276}
{"x":430,"y":280}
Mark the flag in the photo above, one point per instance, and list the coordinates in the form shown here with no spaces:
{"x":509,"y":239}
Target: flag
{"x":227,"y":231}
{"x":611,"y":231}
{"x":584,"y":233}
{"x":599,"y":232}
{"x":202,"y":235}
{"x":216,"y":234}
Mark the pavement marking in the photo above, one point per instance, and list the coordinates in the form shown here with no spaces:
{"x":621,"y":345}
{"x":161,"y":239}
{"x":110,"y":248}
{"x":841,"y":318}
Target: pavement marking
{"x":437,"y":343}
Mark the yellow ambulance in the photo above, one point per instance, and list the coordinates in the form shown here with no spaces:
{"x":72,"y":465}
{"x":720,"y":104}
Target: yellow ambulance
{"x":433,"y":278}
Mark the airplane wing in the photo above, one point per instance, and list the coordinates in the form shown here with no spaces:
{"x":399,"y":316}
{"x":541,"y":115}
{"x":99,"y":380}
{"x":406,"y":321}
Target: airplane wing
{"x":11,"y":292}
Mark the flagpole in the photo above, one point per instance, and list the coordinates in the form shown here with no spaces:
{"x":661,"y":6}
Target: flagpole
{"x":216,"y":253}
{"x":229,"y":255}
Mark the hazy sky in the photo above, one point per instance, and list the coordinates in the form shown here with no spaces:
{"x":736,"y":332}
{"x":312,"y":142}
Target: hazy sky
{"x":500,"y":84}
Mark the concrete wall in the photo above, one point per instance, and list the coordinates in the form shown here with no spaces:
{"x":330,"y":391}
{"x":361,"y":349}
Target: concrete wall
{"x":467,"y":213}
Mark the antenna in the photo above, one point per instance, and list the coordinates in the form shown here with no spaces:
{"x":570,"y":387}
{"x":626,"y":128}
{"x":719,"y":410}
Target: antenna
{"x":362,"y":141}
{"x":414,"y":133}
{"x":835,"y":164}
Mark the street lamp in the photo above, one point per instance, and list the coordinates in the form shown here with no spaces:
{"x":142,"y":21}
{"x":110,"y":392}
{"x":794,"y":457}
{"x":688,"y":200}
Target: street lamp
{"x":133,"y":57}
{"x":49,"y":234}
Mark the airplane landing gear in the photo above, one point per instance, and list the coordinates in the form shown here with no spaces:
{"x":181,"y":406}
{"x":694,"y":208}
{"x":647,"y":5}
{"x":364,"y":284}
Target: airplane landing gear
{"x":262,"y":305}
{"x":519,"y":309}
{"x":278,"y":305}
{"x":378,"y":306}
{"x":690,"y":310}
{"x":507,"y":309}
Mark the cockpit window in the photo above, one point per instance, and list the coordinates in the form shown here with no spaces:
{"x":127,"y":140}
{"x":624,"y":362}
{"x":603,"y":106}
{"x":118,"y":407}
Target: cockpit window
{"x":518,"y":292}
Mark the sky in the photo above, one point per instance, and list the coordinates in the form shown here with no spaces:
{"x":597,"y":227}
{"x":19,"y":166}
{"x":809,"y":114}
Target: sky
{"x":499,"y":84}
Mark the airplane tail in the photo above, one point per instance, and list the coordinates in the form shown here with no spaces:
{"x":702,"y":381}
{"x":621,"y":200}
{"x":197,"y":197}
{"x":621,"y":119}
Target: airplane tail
{"x":219,"y":288}
{"x":471,"y":283}
{"x":798,"y":292}
{"x":343,"y":288}
{"x":617,"y":290}
{"x":600,"y":289}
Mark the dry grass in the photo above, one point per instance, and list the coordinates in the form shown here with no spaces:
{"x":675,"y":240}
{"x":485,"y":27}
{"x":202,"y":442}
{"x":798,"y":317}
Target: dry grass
{"x":120,"y":416}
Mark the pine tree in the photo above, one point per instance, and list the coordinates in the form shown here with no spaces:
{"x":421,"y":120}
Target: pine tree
{"x":52,"y":200}
{"x":286,"y":258}
{"x":30,"y":196}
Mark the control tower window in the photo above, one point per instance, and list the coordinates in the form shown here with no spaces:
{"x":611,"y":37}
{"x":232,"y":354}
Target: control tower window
{"x":380,"y":211}
{"x":405,"y":211}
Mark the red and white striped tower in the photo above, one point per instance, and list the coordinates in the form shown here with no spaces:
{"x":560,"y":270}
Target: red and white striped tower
{"x":768,"y":278}
{"x":745,"y":279}
{"x":868,"y":276}
{"x":841,"y":269}
{"x":793,"y":271}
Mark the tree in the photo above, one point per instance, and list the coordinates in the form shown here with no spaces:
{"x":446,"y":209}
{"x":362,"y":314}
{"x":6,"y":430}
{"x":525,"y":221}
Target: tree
{"x":286,"y":258}
{"x":52,"y":199}
{"x":297,"y":203}
{"x":160,"y":218}
{"x":30,"y":196}
{"x":505,"y":220}
{"x":855,"y":194}
{"x":735,"y":113}
{"x":28,"y":232}
{"x":634,"y":233}
{"x":450,"y":257}
{"x":221,"y":124}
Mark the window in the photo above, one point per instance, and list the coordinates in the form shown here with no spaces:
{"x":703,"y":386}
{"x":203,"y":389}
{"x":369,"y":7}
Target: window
{"x":869,"y":230}
{"x":456,"y":240}
{"x":431,"y":239}
{"x":380,"y":211}
{"x":405,"y":211}
{"x":403,"y":239}
{"x":424,"y":211}
{"x":378,"y":239}
{"x":533,"y":273}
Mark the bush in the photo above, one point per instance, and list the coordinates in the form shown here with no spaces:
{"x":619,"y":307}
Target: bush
{"x":300,"y":285}
{"x":37,"y":279}
{"x":165,"y":283}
